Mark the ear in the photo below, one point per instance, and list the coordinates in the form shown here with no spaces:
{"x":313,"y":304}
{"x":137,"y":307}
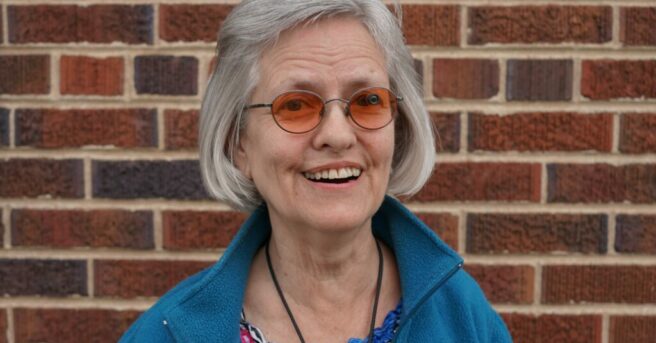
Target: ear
{"x":241,"y":157}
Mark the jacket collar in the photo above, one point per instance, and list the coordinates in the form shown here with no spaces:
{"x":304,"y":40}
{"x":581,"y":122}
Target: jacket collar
{"x":210,"y":309}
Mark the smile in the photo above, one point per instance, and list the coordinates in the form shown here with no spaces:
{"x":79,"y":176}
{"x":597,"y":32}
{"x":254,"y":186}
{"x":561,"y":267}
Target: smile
{"x":340,"y":175}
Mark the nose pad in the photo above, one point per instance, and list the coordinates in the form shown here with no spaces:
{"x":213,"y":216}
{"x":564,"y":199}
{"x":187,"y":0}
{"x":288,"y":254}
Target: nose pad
{"x":345,"y":109}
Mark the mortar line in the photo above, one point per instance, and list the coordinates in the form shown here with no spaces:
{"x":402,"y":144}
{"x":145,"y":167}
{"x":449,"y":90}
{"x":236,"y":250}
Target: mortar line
{"x":203,"y":74}
{"x":612,"y":233}
{"x":576,"y":80}
{"x":130,"y":87}
{"x":544,"y":183}
{"x":11,"y":335}
{"x":464,"y":25}
{"x":429,"y":75}
{"x":156,"y":41}
{"x":90,"y":278}
{"x":605,"y":328}
{"x":161,"y":129}
{"x":158,"y":230}
{"x":537,"y":287}
{"x":615,"y":35}
{"x":87,"y":175}
{"x":6,"y":222}
{"x":12,"y":128}
{"x":616,"y":135}
{"x":125,"y":94}
{"x":55,"y":77}
{"x":503,"y":80}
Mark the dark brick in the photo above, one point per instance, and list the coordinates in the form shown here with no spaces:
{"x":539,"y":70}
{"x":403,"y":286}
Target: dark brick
{"x":431,"y":25}
{"x":536,"y":233}
{"x":43,"y":277}
{"x":542,"y":131}
{"x":447,"y":126}
{"x":53,"y":128}
{"x":635,"y":234}
{"x":638,"y":133}
{"x":142,"y":278}
{"x":2,"y":233}
{"x":191,"y":22}
{"x":612,"y":79}
{"x":75,"y":228}
{"x":35,"y":178}
{"x":637,"y":26}
{"x":3,"y":313}
{"x":4,"y":127}
{"x":166,"y":75}
{"x":535,"y":80}
{"x":504,"y":284}
{"x":444,"y":225}
{"x":84,"y":75}
{"x":599,"y":183}
{"x":540,"y":24}
{"x":567,"y":284}
{"x":70,"y":23}
{"x":482,"y":182}
{"x":528,"y":328}
{"x":181,"y":129}
{"x":634,"y":329}
{"x":24,"y":74}
{"x":200,"y":229}
{"x":147,"y":179}
{"x":465,"y":78}
{"x":71,"y":325}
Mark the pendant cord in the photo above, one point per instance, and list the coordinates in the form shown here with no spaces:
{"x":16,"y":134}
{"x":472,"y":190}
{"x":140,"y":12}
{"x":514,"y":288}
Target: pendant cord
{"x":379,"y":283}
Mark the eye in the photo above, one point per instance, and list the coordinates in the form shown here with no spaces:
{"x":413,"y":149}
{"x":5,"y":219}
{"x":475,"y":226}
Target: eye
{"x":293,"y":105}
{"x":369,"y":100}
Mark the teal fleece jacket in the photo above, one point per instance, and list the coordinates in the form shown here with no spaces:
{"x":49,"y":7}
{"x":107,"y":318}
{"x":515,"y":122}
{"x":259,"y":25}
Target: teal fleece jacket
{"x":441,"y":302}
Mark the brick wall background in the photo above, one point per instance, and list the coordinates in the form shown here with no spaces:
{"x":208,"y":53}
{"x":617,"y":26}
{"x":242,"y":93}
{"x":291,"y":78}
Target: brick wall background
{"x":546,"y":180}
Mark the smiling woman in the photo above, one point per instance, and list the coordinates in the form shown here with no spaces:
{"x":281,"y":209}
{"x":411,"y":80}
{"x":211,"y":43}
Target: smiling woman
{"x":312,"y":122}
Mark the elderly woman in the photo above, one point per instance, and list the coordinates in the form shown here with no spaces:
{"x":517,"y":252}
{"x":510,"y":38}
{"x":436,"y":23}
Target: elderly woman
{"x":312,"y":116}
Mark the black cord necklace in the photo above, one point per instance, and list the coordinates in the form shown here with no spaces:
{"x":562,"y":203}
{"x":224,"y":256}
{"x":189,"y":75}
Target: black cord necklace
{"x":289,"y":312}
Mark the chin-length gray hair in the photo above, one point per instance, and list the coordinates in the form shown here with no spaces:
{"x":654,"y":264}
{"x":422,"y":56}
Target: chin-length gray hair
{"x":255,"y":25}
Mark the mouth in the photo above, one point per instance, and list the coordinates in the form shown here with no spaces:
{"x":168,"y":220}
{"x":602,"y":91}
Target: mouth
{"x":338,"y":175}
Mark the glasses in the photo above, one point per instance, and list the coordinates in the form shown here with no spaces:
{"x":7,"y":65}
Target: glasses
{"x":301,"y":111}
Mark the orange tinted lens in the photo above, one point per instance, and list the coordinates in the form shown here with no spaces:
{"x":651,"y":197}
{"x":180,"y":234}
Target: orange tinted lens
{"x":297,"y":111}
{"x":372,"y":108}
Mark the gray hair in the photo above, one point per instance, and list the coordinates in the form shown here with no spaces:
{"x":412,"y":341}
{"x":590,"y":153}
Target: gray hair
{"x":255,"y":25}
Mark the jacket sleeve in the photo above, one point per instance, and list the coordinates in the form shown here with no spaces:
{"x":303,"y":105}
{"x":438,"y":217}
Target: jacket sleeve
{"x":150,"y":327}
{"x":497,"y":329}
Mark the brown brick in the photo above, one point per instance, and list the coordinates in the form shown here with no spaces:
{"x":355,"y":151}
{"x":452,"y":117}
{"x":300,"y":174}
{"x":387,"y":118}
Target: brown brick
{"x":24,"y":74}
{"x":638,"y":133}
{"x":139,"y":278}
{"x":54,"y":128}
{"x":166,"y":75}
{"x":200,"y":229}
{"x":35,"y":178}
{"x":3,"y":317}
{"x":536,"y":233}
{"x":444,"y":225}
{"x":634,"y":329}
{"x":84,"y":75}
{"x":181,"y":129}
{"x":447,"y":126}
{"x":431,"y":25}
{"x":482,"y":182}
{"x":635,"y":234}
{"x":191,"y":22}
{"x":540,"y":24}
{"x":541,"y":131}
{"x":611,"y":79}
{"x":71,"y":325}
{"x":633,"y":284}
{"x":556,"y":328}
{"x":75,"y":228}
{"x":70,"y":23}
{"x":43,"y":277}
{"x":504,"y":284}
{"x":465,"y":78}
{"x":637,"y":26}
{"x":599,"y":183}
{"x":4,"y":127}
{"x":535,"y":80}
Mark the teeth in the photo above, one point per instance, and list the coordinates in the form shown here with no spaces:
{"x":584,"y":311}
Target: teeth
{"x":331,"y":174}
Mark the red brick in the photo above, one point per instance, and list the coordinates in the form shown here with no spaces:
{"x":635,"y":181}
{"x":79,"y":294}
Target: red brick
{"x":139,"y":278}
{"x":181,"y":129}
{"x":637,"y":25}
{"x":539,"y":80}
{"x":166,"y":75}
{"x":75,"y":228}
{"x":3,"y":322}
{"x":41,"y":178}
{"x":599,"y":183}
{"x":635,"y":234}
{"x":56,"y":278}
{"x":631,"y":284}
{"x":447,"y":126}
{"x":200,"y":229}
{"x":546,"y":328}
{"x":638,"y":133}
{"x":71,"y":325}
{"x":634,"y":329}
{"x":83,"y":75}
{"x":54,"y":128}
{"x":191,"y":22}
{"x":611,"y":79}
{"x":70,"y":23}
{"x":482,"y":182}
{"x":444,"y":225}
{"x":465,"y":78}
{"x":24,"y":74}
{"x":504,"y":284}
{"x":431,"y":25}
{"x":540,"y":24}
{"x":541,"y":131}
{"x":536,"y":233}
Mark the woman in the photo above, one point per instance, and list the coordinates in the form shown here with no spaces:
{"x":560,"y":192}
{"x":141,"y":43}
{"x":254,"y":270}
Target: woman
{"x":313,"y":115}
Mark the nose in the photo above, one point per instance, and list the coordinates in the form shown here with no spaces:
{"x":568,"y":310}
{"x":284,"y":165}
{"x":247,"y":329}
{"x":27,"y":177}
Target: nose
{"x":335,"y":132}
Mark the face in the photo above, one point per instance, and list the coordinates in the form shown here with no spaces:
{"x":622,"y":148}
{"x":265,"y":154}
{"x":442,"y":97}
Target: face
{"x":334,"y":58}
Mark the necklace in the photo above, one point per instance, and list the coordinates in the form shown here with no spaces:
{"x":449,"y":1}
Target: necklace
{"x":289,"y":311}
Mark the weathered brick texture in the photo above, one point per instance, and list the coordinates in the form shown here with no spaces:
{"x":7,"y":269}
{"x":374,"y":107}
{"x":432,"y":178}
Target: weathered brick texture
{"x":191,"y":22}
{"x":635,"y":234}
{"x":634,"y":329}
{"x":526,"y":328}
{"x":638,"y":133}
{"x":447,"y":127}
{"x":55,"y":278}
{"x":181,"y":129}
{"x":4,"y":127}
{"x":539,"y":80}
{"x":431,"y":25}
{"x":613,"y":79}
{"x":75,"y":228}
{"x":166,"y":75}
{"x":444,"y":225}
{"x":41,"y":178}
{"x":637,"y":25}
{"x":84,"y":75}
{"x":199,"y":229}
{"x":465,"y":78}
{"x":24,"y":74}
{"x":504,"y":284}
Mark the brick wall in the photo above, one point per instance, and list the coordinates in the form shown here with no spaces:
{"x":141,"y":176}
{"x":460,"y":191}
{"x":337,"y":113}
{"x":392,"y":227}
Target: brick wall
{"x":546,"y":180}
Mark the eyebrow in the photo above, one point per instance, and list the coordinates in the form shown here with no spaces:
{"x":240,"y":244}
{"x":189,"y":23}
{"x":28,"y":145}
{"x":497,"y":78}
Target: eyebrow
{"x":351,"y":86}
